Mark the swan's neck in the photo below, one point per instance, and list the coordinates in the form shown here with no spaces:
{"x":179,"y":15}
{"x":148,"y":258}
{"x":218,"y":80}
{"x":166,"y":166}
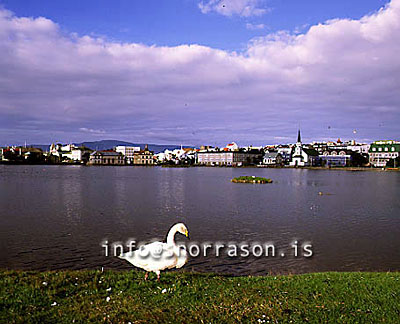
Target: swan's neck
{"x":171,"y":236}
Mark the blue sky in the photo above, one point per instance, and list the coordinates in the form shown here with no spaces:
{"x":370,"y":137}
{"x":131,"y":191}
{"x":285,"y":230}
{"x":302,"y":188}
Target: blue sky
{"x":176,"y":22}
{"x":199,"y":71}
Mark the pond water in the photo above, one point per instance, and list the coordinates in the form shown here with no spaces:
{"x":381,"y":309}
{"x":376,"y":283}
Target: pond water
{"x":56,"y":217}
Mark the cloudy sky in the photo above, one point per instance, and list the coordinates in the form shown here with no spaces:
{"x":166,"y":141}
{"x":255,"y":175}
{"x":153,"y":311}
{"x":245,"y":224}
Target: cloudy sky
{"x":199,"y":71}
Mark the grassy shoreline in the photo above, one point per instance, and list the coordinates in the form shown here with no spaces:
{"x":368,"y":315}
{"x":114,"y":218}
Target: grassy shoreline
{"x":182,"y":297}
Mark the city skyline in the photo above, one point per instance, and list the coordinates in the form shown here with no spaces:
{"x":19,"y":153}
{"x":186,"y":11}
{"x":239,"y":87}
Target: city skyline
{"x":199,"y":72}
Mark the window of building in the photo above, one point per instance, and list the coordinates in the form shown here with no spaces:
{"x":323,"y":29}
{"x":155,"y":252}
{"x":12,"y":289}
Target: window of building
{"x":380,"y":149}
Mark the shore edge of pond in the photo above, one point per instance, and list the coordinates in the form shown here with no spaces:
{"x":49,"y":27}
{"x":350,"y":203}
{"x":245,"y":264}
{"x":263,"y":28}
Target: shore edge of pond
{"x":124,"y":296}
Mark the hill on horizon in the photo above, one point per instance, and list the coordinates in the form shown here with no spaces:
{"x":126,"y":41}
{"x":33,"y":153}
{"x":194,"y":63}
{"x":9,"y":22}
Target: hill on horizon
{"x":109,"y":144}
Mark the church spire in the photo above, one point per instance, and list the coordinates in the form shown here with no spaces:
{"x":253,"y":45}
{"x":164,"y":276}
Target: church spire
{"x":298,"y":137}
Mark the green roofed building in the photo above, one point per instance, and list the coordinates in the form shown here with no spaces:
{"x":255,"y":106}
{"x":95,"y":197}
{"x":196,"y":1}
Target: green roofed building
{"x":381,"y":152}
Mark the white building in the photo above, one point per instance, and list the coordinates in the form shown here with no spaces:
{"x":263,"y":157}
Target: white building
{"x":128,"y":152}
{"x":176,"y":155}
{"x":381,"y":152}
{"x":63,"y":152}
{"x":76,"y":155}
{"x":232,"y":147}
{"x":272,"y":159}
{"x":167,"y":155}
{"x":359,"y":148}
{"x":227,"y":158}
{"x":303,"y":156}
{"x":69,"y":152}
{"x":55,"y":149}
{"x":67,"y":148}
{"x":80,"y":154}
{"x":106,"y":158}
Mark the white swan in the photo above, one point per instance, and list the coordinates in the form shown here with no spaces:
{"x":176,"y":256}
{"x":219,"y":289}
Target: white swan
{"x":158,"y":256}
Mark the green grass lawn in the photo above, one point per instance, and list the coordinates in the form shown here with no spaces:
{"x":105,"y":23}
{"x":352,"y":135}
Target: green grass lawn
{"x":123,"y":297}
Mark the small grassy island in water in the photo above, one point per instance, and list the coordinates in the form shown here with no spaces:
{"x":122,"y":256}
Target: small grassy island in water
{"x":251,"y":179}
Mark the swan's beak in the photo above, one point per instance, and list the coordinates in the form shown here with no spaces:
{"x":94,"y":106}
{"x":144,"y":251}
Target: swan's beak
{"x":187,"y":234}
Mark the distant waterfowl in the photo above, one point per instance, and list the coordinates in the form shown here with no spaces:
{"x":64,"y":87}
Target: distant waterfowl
{"x":320,"y":193}
{"x":158,"y":256}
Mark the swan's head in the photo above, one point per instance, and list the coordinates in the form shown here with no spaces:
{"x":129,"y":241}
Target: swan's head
{"x":181,"y":228}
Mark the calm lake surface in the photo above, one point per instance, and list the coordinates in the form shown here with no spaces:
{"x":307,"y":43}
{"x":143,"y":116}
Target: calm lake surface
{"x":56,"y":217}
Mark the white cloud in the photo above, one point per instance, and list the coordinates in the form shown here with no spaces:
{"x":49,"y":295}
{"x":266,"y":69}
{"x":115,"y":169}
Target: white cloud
{"x":93,"y":131}
{"x":343,"y":73}
{"x":244,"y":8}
{"x":251,"y":26}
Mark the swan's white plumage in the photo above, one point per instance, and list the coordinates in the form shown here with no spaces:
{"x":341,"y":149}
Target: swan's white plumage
{"x":182,"y":258}
{"x":158,"y":256}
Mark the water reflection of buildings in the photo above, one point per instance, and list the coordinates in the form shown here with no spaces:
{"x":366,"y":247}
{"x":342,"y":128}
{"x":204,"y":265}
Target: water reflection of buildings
{"x":171,"y":192}
{"x":72,"y":195}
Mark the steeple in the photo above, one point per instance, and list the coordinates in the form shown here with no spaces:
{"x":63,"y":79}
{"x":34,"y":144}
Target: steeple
{"x":298,"y":137}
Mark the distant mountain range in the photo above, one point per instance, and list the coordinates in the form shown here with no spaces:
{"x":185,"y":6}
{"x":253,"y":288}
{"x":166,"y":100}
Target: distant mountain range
{"x":109,"y":144}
